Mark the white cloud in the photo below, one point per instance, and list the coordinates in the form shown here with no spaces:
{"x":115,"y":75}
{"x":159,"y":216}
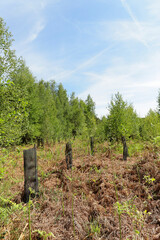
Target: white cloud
{"x":153,"y":7}
{"x":65,"y":74}
{"x":35,"y":31}
{"x":137,"y":82}
{"x":124,"y":69}
{"x":137,"y":23}
{"x":127,"y":31}
{"x":41,"y":67}
{"x":145,"y":30}
{"x":148,"y":29}
{"x":29,"y":15}
{"x":25,"y":6}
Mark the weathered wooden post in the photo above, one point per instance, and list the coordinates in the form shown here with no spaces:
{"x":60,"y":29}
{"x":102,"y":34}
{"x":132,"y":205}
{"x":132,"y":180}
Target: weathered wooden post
{"x":92,"y":145}
{"x":68,"y":153}
{"x":30,"y":172}
{"x":125,"y":148}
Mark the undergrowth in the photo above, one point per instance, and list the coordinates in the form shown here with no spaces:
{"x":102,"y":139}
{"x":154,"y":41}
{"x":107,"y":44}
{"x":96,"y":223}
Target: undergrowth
{"x":102,"y":197}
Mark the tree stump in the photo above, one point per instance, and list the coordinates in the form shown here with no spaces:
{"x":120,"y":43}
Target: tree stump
{"x":92,"y":145}
{"x":68,"y":153}
{"x":30,"y":173}
{"x":125,"y":149}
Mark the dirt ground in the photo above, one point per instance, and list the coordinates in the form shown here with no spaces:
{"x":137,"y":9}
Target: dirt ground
{"x":102,"y":197}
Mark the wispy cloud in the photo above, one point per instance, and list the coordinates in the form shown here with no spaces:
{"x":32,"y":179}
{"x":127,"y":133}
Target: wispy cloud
{"x":35,"y":31}
{"x":137,"y":23}
{"x":137,"y":82}
{"x":85,"y":64}
{"x":153,"y":7}
{"x":41,"y":67}
{"x":28,"y":5}
{"x":120,"y":31}
{"x":76,"y":26}
{"x":105,"y":52}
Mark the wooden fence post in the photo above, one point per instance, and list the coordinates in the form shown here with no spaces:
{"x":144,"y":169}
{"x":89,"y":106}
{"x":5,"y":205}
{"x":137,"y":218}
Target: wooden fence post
{"x":30,"y":172}
{"x":125,"y":149}
{"x":68,"y":153}
{"x":92,"y":145}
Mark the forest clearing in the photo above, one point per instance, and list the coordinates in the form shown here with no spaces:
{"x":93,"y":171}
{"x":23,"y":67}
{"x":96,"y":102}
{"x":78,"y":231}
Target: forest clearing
{"x":111,"y":190}
{"x":101,"y":197}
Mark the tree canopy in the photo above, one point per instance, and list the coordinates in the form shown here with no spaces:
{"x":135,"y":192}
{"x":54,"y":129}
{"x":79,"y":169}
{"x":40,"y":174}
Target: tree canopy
{"x":122,"y":119}
{"x":30,"y":109}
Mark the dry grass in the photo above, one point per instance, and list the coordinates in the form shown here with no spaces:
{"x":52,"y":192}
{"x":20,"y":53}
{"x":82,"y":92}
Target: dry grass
{"x":80,"y":203}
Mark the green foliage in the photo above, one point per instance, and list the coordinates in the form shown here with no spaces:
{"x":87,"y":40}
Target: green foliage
{"x":12,"y":98}
{"x":8,"y":208}
{"x":90,"y":116}
{"x":156,"y":141}
{"x":150,"y":126}
{"x":77,"y":118}
{"x":149,"y":179}
{"x":3,"y":158}
{"x":8,"y":60}
{"x":12,"y":113}
{"x":137,"y":217}
{"x":95,"y":228}
{"x":63,"y":113}
{"x":30,"y":109}
{"x":100,"y":133}
{"x":47,"y":112}
{"x":44,"y":234}
{"x":122,"y":119}
{"x":135,"y":147}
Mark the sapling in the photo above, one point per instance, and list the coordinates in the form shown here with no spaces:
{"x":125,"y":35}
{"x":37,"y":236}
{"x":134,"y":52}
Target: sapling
{"x":44,"y":234}
{"x":95,"y":228}
{"x":137,"y":217}
{"x":148,"y":181}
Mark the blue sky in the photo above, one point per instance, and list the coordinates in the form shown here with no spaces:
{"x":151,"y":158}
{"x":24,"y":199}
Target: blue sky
{"x":96,"y":47}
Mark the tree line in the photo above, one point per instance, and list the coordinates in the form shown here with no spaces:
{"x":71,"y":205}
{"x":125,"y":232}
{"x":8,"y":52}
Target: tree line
{"x":31,"y":109}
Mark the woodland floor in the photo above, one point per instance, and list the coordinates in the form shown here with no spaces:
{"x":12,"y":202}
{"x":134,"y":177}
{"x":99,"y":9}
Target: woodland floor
{"x":102,"y":197}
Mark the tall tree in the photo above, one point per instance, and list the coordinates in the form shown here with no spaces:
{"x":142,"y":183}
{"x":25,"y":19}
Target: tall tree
{"x":77,"y":118}
{"x":27,"y":83}
{"x":90,"y":115}
{"x":12,"y":113}
{"x":48,"y":114}
{"x":122,"y":119}
{"x":150,"y":126}
{"x":8,"y":60}
{"x":12,"y":98}
{"x":63,"y":113}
